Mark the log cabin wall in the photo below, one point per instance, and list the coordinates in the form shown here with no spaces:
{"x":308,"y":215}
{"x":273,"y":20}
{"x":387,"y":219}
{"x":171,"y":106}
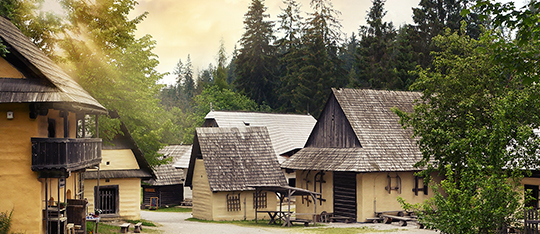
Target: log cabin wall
{"x":333,"y":130}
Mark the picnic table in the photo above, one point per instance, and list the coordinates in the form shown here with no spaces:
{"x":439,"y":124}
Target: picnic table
{"x":277,"y":215}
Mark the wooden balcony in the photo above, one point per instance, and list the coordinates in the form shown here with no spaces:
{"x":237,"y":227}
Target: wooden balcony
{"x":65,"y":154}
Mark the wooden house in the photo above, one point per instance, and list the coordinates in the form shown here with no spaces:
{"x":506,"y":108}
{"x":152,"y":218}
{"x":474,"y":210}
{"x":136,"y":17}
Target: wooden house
{"x":359,"y":157}
{"x":224,"y":163}
{"x":168,"y":186}
{"x":42,"y":154}
{"x":288,"y":132}
{"x":122,"y":168}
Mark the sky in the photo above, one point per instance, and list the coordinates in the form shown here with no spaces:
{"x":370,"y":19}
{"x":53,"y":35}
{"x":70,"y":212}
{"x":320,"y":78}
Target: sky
{"x":182,"y":27}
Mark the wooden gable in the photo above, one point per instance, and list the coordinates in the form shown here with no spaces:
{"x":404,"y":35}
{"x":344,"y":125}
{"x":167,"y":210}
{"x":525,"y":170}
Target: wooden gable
{"x":333,"y":129}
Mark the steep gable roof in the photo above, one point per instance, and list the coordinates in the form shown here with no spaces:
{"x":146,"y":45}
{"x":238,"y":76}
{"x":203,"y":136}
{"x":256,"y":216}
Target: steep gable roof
{"x":385,"y":145}
{"x":288,"y":132}
{"x":168,"y":174}
{"x":45,"y":81}
{"x":236,"y":158}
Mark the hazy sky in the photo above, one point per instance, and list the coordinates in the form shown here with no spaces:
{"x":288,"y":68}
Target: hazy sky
{"x":182,"y":27}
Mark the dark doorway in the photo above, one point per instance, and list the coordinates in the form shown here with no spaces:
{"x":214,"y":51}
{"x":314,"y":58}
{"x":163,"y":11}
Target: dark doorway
{"x":532,"y":192}
{"x":108,"y":199}
{"x":345,"y":194}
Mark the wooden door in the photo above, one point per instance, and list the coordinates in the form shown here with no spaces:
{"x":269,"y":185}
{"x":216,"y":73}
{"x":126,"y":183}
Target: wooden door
{"x":345,"y":199}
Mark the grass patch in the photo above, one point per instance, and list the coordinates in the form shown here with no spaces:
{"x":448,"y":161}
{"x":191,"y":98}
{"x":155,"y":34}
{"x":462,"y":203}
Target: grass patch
{"x":251,"y":223}
{"x":103,"y":228}
{"x":173,"y":209}
{"x":143,"y":221}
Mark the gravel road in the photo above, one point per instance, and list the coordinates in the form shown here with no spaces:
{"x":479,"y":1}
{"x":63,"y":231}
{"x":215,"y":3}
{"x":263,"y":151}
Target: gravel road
{"x":171,"y":222}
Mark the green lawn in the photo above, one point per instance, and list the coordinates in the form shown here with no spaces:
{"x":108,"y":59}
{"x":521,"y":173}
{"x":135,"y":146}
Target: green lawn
{"x":173,"y":209}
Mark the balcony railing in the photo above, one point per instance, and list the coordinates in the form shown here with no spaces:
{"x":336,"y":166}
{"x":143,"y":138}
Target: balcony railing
{"x":65,"y":154}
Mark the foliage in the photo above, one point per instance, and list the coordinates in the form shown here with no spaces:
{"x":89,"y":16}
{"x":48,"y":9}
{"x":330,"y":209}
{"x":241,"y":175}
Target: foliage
{"x":215,"y":98}
{"x":474,"y":124}
{"x":519,"y":52}
{"x":256,"y":60}
{"x":5,"y":222}
{"x":116,"y":68}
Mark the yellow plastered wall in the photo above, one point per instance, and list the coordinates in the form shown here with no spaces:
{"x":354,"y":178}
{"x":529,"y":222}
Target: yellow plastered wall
{"x":202,"y":196}
{"x":118,"y":160}
{"x":247,"y":211}
{"x":373,"y":197}
{"x":129,"y":195}
{"x":305,"y":180}
{"x":8,"y":71}
{"x":20,"y":186}
{"x":210,"y":205}
{"x":371,"y":193}
{"x":22,"y":191}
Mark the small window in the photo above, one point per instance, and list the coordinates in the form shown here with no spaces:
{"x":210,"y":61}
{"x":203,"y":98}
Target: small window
{"x":233,"y":202}
{"x":260,"y":200}
{"x":393,"y":183}
{"x":419,"y":185}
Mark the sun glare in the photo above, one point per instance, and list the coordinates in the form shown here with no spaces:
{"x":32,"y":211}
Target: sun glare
{"x":52,"y":6}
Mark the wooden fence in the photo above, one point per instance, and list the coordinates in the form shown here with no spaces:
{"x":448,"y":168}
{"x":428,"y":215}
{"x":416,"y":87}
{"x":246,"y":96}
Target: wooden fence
{"x":531,"y":221}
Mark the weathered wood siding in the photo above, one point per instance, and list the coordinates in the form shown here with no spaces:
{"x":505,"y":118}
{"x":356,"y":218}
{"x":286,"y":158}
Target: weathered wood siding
{"x":167,"y":194}
{"x":202,"y":196}
{"x":333,"y":130}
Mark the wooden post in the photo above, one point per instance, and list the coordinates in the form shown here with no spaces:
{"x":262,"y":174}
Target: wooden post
{"x":97,"y":126}
{"x":65,"y":115}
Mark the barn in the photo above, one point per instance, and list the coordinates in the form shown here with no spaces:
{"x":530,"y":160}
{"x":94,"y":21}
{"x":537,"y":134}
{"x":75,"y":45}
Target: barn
{"x":224,"y":163}
{"x":168,"y":186}
{"x":359,"y":157}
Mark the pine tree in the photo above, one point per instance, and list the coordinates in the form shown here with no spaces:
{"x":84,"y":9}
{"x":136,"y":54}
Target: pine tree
{"x":256,"y":61}
{"x":432,"y":17}
{"x":374,"y":54}
{"x":220,"y":73}
{"x":314,"y":67}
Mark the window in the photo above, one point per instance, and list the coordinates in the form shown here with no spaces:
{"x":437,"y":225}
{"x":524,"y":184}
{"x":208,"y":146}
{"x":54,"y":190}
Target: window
{"x":393,"y":183}
{"x":419,"y":181}
{"x":108,"y":199}
{"x":233,"y":202}
{"x":260,"y":200}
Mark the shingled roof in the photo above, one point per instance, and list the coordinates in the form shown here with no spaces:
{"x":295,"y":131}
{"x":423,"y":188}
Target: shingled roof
{"x":385,"y":145}
{"x":45,"y":81}
{"x":288,"y":132}
{"x":168,"y":174}
{"x":235,"y":158}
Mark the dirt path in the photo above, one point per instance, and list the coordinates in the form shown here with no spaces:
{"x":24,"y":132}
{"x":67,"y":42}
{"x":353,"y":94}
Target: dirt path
{"x":171,"y":222}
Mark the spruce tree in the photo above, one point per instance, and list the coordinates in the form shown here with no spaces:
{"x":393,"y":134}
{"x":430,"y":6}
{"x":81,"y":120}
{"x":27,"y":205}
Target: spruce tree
{"x":256,"y":61}
{"x":374,"y":54}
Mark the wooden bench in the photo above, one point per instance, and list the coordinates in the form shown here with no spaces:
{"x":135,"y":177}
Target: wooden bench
{"x":402,"y":219}
{"x":305,"y":221}
{"x":124,"y":228}
{"x":342,"y":218}
{"x":138,"y":227}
